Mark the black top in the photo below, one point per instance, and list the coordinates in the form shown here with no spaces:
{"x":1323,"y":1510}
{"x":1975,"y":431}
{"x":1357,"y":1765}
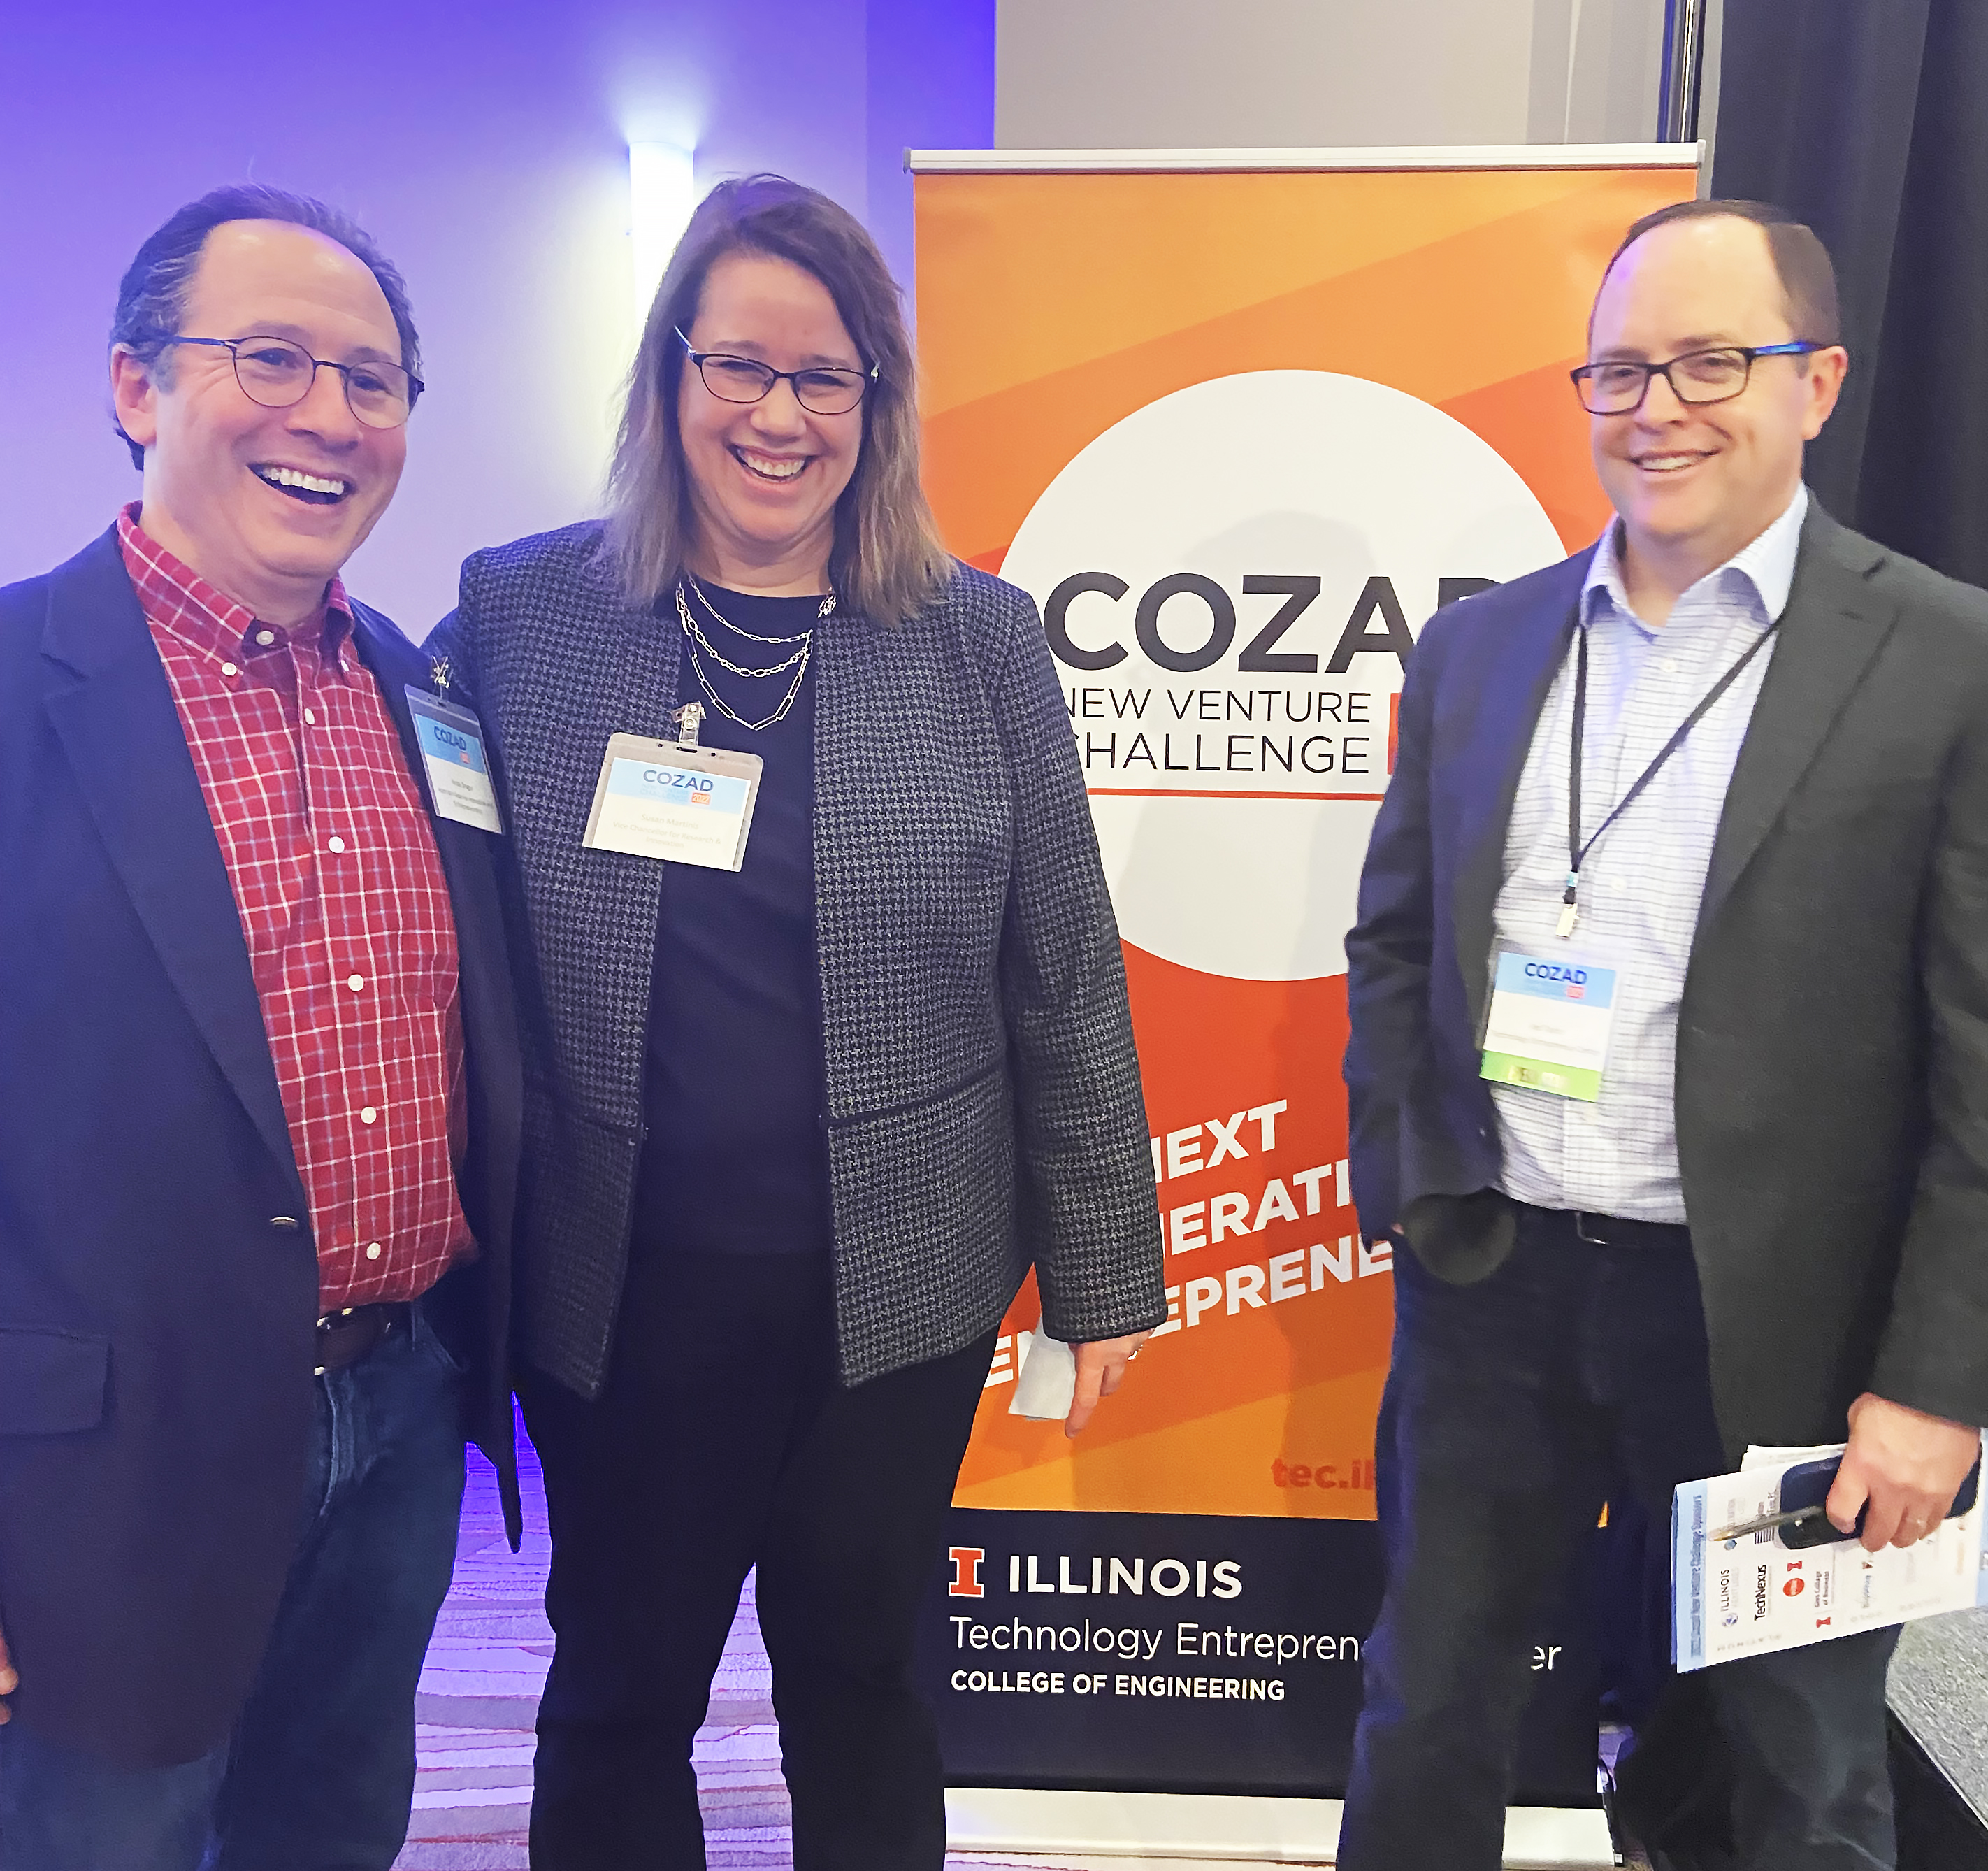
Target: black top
{"x":737,"y":1159}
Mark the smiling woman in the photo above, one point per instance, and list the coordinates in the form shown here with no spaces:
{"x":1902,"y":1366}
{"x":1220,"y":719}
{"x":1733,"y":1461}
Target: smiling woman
{"x":762,"y":264}
{"x":824,"y":1062}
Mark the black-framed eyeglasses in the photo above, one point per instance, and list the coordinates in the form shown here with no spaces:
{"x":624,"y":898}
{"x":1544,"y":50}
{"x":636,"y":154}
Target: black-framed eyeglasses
{"x":822,"y":391}
{"x":1617,"y":387}
{"x":277,"y":373}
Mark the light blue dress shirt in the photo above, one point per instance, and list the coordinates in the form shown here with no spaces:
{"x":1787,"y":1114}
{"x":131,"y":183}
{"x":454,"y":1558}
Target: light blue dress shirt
{"x":1641,"y":884}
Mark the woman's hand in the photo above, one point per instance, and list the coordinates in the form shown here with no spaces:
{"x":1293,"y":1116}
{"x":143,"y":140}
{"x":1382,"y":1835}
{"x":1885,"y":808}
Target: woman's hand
{"x":1100,"y":1369}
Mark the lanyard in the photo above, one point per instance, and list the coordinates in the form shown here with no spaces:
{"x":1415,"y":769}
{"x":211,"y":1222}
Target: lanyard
{"x":1577,"y":851}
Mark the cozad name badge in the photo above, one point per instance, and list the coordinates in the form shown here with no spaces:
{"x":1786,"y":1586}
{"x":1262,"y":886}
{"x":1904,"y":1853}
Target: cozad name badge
{"x":685,"y":805}
{"x":1548,"y":1025}
{"x":450,"y":740}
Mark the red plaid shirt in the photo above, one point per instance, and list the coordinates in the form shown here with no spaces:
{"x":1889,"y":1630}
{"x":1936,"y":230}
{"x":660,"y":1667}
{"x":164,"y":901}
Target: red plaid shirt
{"x":346,"y":912}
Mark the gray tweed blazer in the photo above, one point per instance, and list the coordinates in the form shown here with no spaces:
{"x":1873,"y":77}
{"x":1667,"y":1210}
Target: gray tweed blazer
{"x":982,"y":1099}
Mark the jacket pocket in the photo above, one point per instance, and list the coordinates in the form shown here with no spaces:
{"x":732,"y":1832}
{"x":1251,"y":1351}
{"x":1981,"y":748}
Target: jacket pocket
{"x":52,"y":1382}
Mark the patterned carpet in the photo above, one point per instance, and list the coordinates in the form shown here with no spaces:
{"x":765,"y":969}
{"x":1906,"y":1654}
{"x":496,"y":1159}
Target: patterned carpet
{"x":480,"y":1685}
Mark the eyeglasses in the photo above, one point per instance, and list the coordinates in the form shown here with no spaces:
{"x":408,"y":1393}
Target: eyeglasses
{"x":1618,"y":387}
{"x":822,"y":391}
{"x":278,"y":374}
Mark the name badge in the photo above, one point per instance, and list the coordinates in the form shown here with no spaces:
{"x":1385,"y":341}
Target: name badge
{"x":1548,"y":1024}
{"x":685,"y":805}
{"x":450,"y":740}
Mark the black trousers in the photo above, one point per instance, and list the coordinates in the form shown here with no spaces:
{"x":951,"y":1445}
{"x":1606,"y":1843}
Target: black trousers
{"x":1511,"y":1407}
{"x":720,"y":1441}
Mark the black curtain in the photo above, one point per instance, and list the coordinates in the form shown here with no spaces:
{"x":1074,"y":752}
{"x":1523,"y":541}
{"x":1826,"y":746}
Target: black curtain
{"x":1868,"y":120}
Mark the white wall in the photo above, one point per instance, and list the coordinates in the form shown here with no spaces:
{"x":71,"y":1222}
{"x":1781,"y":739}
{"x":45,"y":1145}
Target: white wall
{"x":1134,"y":74}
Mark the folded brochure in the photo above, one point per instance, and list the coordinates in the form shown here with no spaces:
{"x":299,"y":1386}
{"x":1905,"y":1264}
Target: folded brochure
{"x":1747,"y":1596}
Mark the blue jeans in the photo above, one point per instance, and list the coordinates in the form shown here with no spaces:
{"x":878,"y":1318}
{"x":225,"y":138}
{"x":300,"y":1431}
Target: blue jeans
{"x":1513,"y":1407}
{"x":319,"y":1773}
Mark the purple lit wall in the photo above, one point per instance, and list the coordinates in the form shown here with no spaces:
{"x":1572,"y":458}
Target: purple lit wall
{"x":485,"y":146}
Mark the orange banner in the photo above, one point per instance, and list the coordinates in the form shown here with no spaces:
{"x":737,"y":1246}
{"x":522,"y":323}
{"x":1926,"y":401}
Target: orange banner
{"x":1239,"y":434}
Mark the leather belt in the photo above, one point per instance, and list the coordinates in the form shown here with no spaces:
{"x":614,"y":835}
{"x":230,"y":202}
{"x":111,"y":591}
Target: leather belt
{"x":352,"y":1332}
{"x":1612,"y":1230}
{"x":1615,"y":1231}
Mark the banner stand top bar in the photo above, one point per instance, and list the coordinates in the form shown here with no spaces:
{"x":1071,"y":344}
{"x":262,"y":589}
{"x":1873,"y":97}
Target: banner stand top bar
{"x":1432,"y":156}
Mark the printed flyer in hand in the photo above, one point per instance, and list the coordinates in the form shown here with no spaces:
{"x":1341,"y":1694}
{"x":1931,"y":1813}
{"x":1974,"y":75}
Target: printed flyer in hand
{"x":1745,"y":1596}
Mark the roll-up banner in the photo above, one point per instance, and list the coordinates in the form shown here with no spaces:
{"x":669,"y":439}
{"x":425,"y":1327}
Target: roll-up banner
{"x":1239,"y":421}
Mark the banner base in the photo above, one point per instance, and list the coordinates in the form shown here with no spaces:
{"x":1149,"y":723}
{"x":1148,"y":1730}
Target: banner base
{"x":1207,"y":1825}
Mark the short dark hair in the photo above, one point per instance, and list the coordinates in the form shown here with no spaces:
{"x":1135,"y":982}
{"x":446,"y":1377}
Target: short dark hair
{"x":152,"y":295}
{"x":1802,"y":261}
{"x":888,"y":563}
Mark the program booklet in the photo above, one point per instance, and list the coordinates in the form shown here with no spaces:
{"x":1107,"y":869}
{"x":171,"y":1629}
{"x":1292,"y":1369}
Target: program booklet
{"x":1768,"y":1590}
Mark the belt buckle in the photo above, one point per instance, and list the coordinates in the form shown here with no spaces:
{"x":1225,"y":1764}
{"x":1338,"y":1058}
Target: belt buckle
{"x":1581,"y":1218}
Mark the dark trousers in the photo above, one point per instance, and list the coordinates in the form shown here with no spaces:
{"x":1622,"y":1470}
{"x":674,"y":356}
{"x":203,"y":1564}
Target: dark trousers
{"x":722,"y":1440}
{"x":1511,"y":1407}
{"x":319,"y":1772}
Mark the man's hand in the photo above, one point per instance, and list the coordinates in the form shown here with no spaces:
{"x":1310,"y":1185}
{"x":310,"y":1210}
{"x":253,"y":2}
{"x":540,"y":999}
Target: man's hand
{"x":1908,"y":1466}
{"x":1100,"y":1369}
{"x":10,"y":1679}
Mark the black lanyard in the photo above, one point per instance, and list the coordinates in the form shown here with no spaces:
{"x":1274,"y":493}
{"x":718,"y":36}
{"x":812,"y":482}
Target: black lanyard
{"x":1577,"y":852}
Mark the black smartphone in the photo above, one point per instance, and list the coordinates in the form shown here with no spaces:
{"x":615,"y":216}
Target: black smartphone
{"x":1807,"y":1485}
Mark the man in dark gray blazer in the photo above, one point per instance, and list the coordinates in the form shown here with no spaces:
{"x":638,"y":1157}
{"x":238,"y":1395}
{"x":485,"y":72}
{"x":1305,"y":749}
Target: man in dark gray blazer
{"x":1726,"y":777}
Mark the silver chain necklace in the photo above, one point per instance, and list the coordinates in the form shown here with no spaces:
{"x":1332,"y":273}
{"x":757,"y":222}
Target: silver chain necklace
{"x":798,"y":661}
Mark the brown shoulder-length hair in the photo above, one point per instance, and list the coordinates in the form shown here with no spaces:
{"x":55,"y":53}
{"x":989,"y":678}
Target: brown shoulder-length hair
{"x":887,"y":564}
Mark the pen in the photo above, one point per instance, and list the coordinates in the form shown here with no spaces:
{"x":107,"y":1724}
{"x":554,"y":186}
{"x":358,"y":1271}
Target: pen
{"x":1764,"y":1523}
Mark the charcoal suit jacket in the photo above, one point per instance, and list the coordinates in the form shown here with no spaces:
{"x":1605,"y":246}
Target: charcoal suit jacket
{"x":158,"y":1277}
{"x":1832,"y":1046}
{"x":982,"y":1100}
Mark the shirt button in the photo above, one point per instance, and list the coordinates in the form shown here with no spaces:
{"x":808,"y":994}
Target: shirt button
{"x":229,"y":669}
{"x":310,"y":717}
{"x":373,"y":1252}
{"x":1668,"y":666}
{"x":369,"y":1113}
{"x":265,"y":637}
{"x":335,"y":845}
{"x":355,"y":982}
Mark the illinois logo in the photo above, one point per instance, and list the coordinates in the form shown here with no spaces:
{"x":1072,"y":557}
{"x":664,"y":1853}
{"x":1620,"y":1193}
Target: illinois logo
{"x":966,"y":1564}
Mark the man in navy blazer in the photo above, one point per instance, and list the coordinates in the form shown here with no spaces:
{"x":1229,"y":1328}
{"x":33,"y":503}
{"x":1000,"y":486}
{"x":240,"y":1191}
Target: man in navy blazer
{"x":1669,"y":1060}
{"x":259,"y":1101}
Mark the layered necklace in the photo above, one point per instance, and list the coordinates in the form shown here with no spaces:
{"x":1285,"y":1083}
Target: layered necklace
{"x":797,"y":660}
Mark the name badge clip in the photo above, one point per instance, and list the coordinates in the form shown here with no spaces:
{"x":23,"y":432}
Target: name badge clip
{"x":673,"y":799}
{"x":458,"y":763}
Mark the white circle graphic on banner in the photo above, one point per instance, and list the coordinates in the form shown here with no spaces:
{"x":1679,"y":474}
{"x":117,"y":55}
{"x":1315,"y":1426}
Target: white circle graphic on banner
{"x":1229,"y":578}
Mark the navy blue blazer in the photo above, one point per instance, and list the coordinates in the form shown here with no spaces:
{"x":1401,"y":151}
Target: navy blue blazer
{"x":158,"y":1279}
{"x":1832,"y":1056}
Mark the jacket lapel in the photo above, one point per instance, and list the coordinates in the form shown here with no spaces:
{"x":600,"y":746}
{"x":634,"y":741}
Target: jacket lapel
{"x":1517,"y":671}
{"x":107,"y":697}
{"x":489,"y":1016}
{"x":1832,"y":628}
{"x":612,"y":670}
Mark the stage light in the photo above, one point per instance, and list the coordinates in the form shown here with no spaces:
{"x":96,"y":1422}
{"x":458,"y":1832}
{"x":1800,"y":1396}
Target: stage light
{"x":662,"y":191}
